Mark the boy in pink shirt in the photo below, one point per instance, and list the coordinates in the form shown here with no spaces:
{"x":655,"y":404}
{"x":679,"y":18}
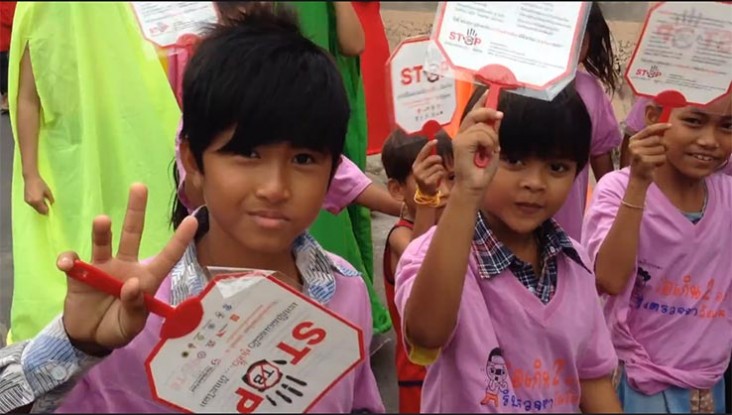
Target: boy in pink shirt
{"x":659,"y":233}
{"x":489,"y":298}
{"x":264,"y":175}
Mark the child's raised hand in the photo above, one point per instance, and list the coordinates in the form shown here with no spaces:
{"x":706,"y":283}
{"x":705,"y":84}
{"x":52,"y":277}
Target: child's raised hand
{"x":95,"y":321}
{"x":647,"y":152}
{"x":428,"y":170}
{"x":478,"y":132}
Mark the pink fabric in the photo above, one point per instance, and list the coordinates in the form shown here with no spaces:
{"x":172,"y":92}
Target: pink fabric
{"x":672,"y":326}
{"x":119,"y":383}
{"x":177,"y":61}
{"x":348,"y":182}
{"x":605,"y":137}
{"x":547,"y":350}
{"x":636,"y":118}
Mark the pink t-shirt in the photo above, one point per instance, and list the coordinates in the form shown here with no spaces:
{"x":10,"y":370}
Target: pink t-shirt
{"x":636,"y":121}
{"x":605,"y":137}
{"x":119,"y":383}
{"x":348,"y":182}
{"x":509,"y":352}
{"x":673,"y":323}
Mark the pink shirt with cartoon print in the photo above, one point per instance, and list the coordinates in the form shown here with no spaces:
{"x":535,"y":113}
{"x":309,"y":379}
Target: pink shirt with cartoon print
{"x":509,"y":352}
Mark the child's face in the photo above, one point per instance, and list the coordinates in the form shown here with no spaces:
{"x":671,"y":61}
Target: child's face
{"x":525,"y":193}
{"x":700,"y":139}
{"x":263,"y":201}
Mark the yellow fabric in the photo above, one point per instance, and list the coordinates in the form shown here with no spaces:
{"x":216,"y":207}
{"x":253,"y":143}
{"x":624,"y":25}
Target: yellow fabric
{"x":108,"y":119}
{"x":421,"y":356}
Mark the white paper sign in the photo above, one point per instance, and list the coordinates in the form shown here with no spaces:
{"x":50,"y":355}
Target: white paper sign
{"x":687,"y":47}
{"x":260,"y":348}
{"x":164,"y":22}
{"x":419,"y":92}
{"x":538,"y":41}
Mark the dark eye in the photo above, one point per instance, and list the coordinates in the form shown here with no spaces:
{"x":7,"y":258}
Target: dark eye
{"x":304,"y":158}
{"x":511,"y":161}
{"x":692,"y":122}
{"x":559,"y":167}
{"x":252,"y":154}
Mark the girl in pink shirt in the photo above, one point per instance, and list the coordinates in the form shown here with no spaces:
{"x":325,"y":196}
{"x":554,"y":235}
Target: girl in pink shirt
{"x":636,"y":121}
{"x":659,"y":233}
{"x":593,"y":79}
{"x":489,"y":298}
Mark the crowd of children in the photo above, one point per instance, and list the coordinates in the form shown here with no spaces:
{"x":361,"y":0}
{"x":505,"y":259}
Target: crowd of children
{"x":506,"y":292}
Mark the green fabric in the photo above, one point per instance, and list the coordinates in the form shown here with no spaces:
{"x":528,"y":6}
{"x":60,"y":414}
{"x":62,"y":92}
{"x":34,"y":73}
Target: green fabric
{"x":108,"y":120}
{"x":349,"y":233}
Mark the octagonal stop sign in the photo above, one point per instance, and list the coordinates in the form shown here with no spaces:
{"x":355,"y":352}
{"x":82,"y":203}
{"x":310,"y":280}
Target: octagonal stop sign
{"x":164,"y":23}
{"x":685,"y":48}
{"x":261,"y":347}
{"x":421,"y":95}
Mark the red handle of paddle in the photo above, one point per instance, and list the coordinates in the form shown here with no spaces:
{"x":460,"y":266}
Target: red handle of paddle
{"x":105,"y":283}
{"x":482,"y":158}
{"x":669,"y":100}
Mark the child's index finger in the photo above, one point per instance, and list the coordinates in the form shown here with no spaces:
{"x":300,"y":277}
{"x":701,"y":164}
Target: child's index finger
{"x":652,"y":130}
{"x":426,"y":151}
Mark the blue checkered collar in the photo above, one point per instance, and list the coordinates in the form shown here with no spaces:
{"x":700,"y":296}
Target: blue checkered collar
{"x":494,"y":257}
{"x":317,"y":269}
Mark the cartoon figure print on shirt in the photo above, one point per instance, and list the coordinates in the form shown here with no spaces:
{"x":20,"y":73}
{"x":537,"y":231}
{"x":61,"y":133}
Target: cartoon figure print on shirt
{"x":641,"y":280}
{"x":497,"y":377}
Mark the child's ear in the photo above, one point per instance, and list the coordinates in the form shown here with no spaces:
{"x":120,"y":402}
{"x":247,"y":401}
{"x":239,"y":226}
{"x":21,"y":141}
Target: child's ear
{"x":395,"y":190}
{"x":653,"y":113}
{"x":194,"y":176}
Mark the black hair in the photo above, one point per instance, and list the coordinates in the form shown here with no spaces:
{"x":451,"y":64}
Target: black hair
{"x":232,"y":10}
{"x":533,"y":127}
{"x":496,"y":352}
{"x":400,"y":151}
{"x":600,"y":59}
{"x":260,"y":76}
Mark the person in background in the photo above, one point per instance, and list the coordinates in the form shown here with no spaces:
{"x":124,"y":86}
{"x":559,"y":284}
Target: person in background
{"x":596,"y":71}
{"x":92,"y":112}
{"x":373,"y":71}
{"x":7,"y":11}
{"x":335,"y":27}
{"x":422,"y":182}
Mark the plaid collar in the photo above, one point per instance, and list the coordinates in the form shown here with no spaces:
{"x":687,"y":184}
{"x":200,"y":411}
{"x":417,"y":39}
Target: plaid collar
{"x":317,"y":269}
{"x":494,"y":257}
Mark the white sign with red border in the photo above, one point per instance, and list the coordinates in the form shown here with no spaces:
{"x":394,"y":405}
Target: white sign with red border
{"x":420,"y":93}
{"x":261,"y":347}
{"x":538,"y":41}
{"x":163,"y":23}
{"x":687,"y":47}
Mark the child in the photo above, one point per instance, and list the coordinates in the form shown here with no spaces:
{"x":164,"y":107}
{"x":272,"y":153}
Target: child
{"x":636,"y":121}
{"x":263,"y":176}
{"x":659,"y":233}
{"x":597,"y":60}
{"x":489,"y":298}
{"x":422,"y":183}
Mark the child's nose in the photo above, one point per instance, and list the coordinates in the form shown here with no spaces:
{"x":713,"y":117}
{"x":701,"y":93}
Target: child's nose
{"x":533,"y":179}
{"x":274,"y":186}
